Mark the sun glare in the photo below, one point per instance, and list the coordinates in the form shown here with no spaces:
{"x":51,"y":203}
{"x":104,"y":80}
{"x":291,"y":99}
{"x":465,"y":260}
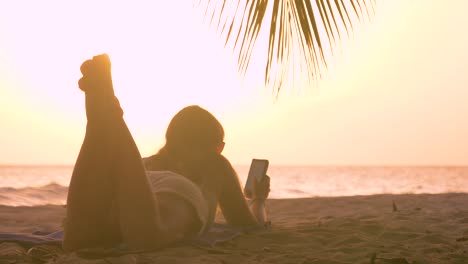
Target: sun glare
{"x":397,"y":77}
{"x":162,"y":61}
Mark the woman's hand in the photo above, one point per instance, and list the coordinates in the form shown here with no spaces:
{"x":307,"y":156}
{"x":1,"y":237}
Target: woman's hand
{"x":261,"y":189}
{"x":257,"y":204}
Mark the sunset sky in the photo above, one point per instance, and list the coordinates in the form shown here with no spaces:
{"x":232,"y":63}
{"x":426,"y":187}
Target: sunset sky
{"x":395,"y":92}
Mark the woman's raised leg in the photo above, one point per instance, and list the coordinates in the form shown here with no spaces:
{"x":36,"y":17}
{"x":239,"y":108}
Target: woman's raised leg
{"x":109,"y":199}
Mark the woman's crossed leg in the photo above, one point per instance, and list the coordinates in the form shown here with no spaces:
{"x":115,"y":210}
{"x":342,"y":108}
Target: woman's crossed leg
{"x":109,"y":199}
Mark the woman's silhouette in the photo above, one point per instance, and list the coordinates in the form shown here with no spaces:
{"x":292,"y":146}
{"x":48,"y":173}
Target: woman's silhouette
{"x":113,"y":199}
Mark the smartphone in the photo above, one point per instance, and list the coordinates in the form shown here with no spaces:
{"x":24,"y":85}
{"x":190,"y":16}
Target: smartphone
{"x":257,"y":172}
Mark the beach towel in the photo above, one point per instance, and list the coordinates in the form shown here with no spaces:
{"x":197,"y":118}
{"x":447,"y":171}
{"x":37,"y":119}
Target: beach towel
{"x":42,"y":245}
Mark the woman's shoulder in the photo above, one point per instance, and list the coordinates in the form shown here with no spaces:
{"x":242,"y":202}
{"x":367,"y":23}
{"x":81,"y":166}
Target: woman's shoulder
{"x":154,"y":162}
{"x":146,"y":160}
{"x":222,"y":165}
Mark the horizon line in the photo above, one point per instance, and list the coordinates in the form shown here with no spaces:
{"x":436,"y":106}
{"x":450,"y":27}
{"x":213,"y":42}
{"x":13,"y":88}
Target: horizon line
{"x":272,"y":165}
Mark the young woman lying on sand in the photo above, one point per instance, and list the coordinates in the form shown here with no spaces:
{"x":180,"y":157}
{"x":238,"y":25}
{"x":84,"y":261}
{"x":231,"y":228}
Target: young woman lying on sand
{"x":112,"y":199}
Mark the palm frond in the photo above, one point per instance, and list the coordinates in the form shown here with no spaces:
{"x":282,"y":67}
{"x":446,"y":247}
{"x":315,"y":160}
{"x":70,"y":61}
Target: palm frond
{"x":300,"y":31}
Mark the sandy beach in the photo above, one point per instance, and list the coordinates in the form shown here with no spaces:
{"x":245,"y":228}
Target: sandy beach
{"x":423,"y":228}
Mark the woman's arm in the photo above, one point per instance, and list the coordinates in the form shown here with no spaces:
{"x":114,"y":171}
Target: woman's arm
{"x":233,"y":204}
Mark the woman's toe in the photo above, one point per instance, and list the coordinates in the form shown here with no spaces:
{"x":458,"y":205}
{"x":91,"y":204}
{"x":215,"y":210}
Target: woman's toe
{"x":83,"y":84}
{"x":86,"y":67}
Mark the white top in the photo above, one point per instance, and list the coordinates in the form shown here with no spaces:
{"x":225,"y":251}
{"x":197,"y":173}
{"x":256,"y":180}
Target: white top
{"x":171,"y":182}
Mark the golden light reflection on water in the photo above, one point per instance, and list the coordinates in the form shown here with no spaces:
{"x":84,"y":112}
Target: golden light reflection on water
{"x":34,"y":185}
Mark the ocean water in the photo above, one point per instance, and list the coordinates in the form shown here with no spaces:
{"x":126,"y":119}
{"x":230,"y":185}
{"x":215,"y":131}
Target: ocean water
{"x":38,"y":185}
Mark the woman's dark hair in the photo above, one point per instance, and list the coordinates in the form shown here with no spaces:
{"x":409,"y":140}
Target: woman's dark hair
{"x":193,"y":129}
{"x":192,"y":138}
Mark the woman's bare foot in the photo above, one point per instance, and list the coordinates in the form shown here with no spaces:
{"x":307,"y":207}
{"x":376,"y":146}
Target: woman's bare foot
{"x":97,"y":75}
{"x":97,"y":85}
